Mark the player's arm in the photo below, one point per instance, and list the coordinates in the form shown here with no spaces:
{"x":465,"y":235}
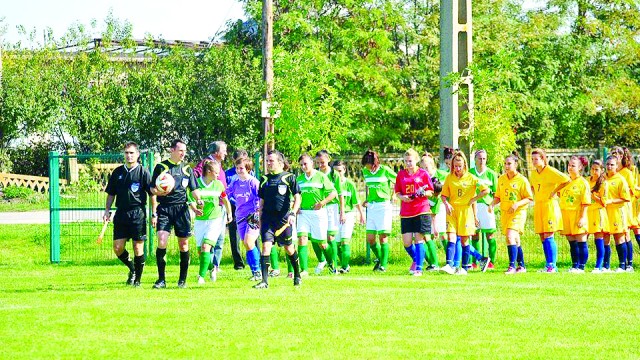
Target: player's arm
{"x":295,"y":208}
{"x":152,"y":184}
{"x":482,"y":193}
{"x":107,"y":207}
{"x":583,"y":222}
{"x":558,"y":188}
{"x":227,"y":205}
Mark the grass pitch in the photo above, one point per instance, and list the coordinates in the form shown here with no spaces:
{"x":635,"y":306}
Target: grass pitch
{"x":85,"y":311}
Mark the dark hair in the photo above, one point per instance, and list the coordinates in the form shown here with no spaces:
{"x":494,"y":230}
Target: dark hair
{"x":175,"y":143}
{"x":240,"y":153}
{"x":129,"y":144}
{"x":215,"y":146}
{"x":447,"y":153}
{"x":601,"y":178}
{"x":437,"y":186}
{"x":248,"y":163}
{"x":582,"y":159}
{"x":278,"y":154}
{"x":370,"y":157}
{"x":339,"y":163}
{"x":323,"y":152}
{"x":627,"y":158}
{"x":617,"y":150}
{"x":612,"y":157}
{"x":305,"y":156}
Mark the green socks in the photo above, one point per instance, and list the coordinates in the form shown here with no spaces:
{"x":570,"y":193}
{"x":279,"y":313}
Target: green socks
{"x":303,"y":253}
{"x":318,"y":251}
{"x":432,"y":252}
{"x":384,"y":259}
{"x":205,"y":260}
{"x":274,"y":257}
{"x":375,"y":249}
{"x":493,"y":248}
{"x":346,"y":255}
{"x":333,"y":246}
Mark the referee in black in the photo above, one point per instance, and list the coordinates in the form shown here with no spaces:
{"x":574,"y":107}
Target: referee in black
{"x":129,"y":186}
{"x":277,"y":216}
{"x":173,"y":212}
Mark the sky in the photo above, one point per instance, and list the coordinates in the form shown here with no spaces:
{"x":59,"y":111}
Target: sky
{"x":189,"y":20}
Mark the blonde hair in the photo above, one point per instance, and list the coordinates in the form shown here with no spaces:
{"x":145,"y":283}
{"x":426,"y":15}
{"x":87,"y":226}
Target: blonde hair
{"x":412,"y":153}
{"x":460,"y":155}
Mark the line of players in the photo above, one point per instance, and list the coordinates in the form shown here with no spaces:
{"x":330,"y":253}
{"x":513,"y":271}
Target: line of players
{"x":449,"y":206}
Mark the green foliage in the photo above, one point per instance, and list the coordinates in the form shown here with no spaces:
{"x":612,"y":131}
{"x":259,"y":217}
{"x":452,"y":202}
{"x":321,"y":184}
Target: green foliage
{"x":31,"y":159}
{"x":17,"y":192}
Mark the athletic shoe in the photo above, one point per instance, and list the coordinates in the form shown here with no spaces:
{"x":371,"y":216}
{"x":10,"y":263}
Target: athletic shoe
{"x":606,"y":271}
{"x":218,"y":270}
{"x":256,"y":276}
{"x":297,"y":281}
{"x":432,"y":268}
{"x":240,"y":267}
{"x":484,"y":263}
{"x":261,"y":285}
{"x":344,"y":270}
{"x":290,"y":275}
{"x":579,"y":271}
{"x":304,"y":273}
{"x":412,"y":269}
{"x":474,"y":266}
{"x":620,"y":270}
{"x":461,"y":271}
{"x":214,"y":274}
{"x":491,"y":266}
{"x":381,"y":269}
{"x":551,"y":270}
{"x":417,"y":273}
{"x":159,"y":284}
{"x":131,"y":278}
{"x":182,"y":284}
{"x":629,"y":268}
{"x":572,"y":270}
{"x":376,"y":264}
{"x":332,"y":270}
{"x":200,"y":280}
{"x":320,"y":267}
{"x":510,"y":271}
{"x":274,"y":272}
{"x":448,"y":269}
{"x":596,"y":271}
{"x":136,"y":284}
{"x":521,"y":270}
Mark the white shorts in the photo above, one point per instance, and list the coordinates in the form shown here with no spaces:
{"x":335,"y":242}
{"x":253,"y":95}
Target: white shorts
{"x":379,"y":218}
{"x":487,"y":220}
{"x":313,"y":224}
{"x":439,"y":222}
{"x":333,"y":214}
{"x":208,"y":229}
{"x":346,"y":230}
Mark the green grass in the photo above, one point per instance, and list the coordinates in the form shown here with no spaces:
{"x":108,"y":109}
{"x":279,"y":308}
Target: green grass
{"x":71,"y":311}
{"x":41,"y":202}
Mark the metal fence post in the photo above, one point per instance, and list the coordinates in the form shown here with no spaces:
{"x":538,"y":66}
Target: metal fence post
{"x":54,"y":207}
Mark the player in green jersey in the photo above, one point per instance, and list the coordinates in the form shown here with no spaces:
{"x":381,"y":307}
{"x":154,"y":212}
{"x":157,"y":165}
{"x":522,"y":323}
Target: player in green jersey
{"x":351,"y":204}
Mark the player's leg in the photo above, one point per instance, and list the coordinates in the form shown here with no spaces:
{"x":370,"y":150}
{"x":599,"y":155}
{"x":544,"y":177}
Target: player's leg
{"x":292,"y":256}
{"x":183,"y":232}
{"x":492,"y":244}
{"x":420,"y":252}
{"x":123,"y":255}
{"x":409,"y":246}
{"x":512,"y":249}
{"x":383,"y":235}
{"x":138,"y":260}
{"x":205,"y":259}
{"x":621,"y":248}
{"x":599,"y":244}
{"x":265,"y":262}
{"x":583,"y":251}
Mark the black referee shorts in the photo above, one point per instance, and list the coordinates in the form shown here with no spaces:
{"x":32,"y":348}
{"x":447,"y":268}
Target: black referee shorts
{"x":174,"y":215}
{"x":420,"y":224}
{"x":270,"y":224}
{"x":130,"y":224}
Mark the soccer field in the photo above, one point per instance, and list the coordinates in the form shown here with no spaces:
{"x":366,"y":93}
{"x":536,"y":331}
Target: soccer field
{"x":76,"y":311}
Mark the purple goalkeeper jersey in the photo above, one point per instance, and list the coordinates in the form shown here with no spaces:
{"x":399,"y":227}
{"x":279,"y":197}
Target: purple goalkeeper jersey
{"x":245,"y":193}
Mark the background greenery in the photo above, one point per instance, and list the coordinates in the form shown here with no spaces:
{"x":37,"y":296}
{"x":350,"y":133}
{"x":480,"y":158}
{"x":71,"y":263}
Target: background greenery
{"x":350,"y":74}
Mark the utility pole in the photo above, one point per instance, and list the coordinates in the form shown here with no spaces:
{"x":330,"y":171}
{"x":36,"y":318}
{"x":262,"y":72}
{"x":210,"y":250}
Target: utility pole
{"x":456,"y":100}
{"x":267,"y":70}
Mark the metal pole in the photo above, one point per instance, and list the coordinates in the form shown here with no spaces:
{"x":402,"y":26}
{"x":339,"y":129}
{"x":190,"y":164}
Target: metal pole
{"x":54,"y":207}
{"x":267,"y":58}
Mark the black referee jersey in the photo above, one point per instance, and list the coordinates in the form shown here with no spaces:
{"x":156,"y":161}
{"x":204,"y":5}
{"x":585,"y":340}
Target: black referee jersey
{"x":129,"y":186}
{"x":276,"y":190}
{"x":184,"y":177}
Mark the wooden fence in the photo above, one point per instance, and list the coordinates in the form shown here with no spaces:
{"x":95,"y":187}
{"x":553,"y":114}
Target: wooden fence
{"x":35,"y":183}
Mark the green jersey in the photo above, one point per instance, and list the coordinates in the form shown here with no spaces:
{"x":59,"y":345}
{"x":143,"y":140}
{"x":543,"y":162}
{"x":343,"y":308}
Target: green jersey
{"x":488,"y":178}
{"x":350,"y":193}
{"x":436,"y":201}
{"x":314,"y":189}
{"x":379,"y":183}
{"x":335,"y":179}
{"x":211,"y":195}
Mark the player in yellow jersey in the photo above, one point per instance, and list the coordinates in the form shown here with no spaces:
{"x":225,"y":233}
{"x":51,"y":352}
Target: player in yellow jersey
{"x":575,"y":199}
{"x":597,"y":215}
{"x":459,"y":199}
{"x":617,"y":196}
{"x":546,"y":182}
{"x":630,"y":173}
{"x":513,"y":195}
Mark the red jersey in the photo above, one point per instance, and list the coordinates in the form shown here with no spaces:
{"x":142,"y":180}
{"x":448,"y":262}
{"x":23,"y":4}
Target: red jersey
{"x":408,"y":185}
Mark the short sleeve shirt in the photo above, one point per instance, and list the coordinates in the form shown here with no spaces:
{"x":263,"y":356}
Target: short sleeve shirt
{"x":575,"y":194}
{"x":183,"y":177}
{"x":510,"y":191}
{"x":379,"y":183}
{"x":314,"y":189}
{"x":129,"y":186}
{"x":276,"y":191}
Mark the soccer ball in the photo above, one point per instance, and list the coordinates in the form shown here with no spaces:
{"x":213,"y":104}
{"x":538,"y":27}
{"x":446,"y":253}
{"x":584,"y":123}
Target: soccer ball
{"x":165,"y":182}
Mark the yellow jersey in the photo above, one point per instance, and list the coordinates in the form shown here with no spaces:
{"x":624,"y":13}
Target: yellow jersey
{"x":576,"y":194}
{"x":510,"y":191}
{"x":545,"y":181}
{"x":460,"y":190}
{"x":602,"y":193}
{"x":618,"y":189}
{"x":630,"y":177}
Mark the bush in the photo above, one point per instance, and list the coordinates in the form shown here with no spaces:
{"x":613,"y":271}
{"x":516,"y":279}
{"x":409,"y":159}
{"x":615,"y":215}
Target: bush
{"x":17,"y":192}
